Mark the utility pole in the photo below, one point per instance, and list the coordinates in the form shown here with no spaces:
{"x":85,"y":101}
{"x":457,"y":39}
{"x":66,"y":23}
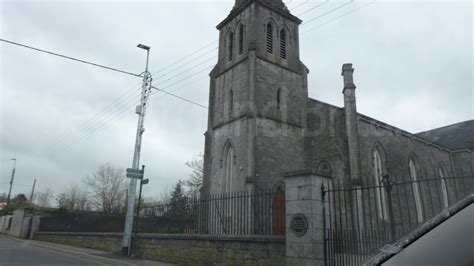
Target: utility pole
{"x":140,"y":110}
{"x":11,"y":181}
{"x":32,"y":191}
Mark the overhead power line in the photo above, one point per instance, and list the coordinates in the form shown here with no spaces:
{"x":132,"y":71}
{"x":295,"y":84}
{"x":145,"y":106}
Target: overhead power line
{"x":123,"y":102}
{"x":70,"y":58}
{"x":181,"y":98}
{"x":314,"y":7}
{"x":338,"y":17}
{"x":187,"y":56}
{"x":328,"y":12}
{"x":299,"y":5}
{"x":125,"y":107}
{"x":111,"y":117}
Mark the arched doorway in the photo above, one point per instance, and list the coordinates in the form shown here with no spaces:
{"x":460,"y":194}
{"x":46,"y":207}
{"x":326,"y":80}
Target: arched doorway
{"x":278,"y":212}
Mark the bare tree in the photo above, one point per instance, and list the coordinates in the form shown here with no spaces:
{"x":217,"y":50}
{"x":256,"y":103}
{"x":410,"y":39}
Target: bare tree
{"x":74,"y":198}
{"x":107,"y":187}
{"x":164,"y":196}
{"x":43,"y":198}
{"x":194,"y":183}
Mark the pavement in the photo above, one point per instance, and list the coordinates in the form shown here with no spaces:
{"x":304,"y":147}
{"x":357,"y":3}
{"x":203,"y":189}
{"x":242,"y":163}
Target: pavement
{"x":15,"y":252}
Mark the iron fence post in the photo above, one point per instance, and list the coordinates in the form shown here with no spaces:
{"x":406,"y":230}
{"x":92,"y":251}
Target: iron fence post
{"x":387,"y":183}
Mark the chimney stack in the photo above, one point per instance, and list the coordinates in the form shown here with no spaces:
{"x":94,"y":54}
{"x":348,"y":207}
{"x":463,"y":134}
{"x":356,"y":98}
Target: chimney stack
{"x":352,"y":129}
{"x":347,"y":72}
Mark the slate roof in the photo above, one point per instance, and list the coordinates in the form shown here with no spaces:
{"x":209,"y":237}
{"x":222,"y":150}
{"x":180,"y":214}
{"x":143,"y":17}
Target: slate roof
{"x":457,"y":136}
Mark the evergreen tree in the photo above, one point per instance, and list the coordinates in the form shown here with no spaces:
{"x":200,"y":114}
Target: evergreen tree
{"x":177,"y":204}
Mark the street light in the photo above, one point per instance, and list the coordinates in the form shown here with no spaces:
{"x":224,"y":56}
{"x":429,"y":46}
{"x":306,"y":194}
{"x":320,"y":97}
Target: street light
{"x":134,"y":171}
{"x":147,"y":48}
{"x":143,"y":46}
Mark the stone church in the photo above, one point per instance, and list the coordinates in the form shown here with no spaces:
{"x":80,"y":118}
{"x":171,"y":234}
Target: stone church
{"x":262,"y":125}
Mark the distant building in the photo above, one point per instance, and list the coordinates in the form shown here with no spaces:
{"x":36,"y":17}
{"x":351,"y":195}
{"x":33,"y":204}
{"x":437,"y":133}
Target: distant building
{"x":262,"y":124}
{"x":2,"y":205}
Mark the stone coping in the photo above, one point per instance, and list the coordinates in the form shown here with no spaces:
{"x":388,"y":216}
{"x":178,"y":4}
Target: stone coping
{"x":382,"y":256}
{"x":229,"y":238}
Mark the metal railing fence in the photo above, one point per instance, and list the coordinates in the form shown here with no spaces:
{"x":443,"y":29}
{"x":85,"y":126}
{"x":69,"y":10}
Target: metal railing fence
{"x":361,"y":220}
{"x":230,"y":213}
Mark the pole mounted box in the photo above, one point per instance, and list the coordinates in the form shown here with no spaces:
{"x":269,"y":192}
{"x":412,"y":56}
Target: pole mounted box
{"x":138,"y":109}
{"x":135,"y":173}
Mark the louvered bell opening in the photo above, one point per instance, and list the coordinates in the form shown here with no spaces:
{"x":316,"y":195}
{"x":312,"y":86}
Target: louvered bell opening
{"x":231,"y":46}
{"x":241,"y":39}
{"x":283,"y":44}
{"x":269,"y":38}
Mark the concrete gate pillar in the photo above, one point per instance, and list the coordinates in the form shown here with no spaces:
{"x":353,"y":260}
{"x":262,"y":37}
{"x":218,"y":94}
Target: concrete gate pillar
{"x":304,"y":217}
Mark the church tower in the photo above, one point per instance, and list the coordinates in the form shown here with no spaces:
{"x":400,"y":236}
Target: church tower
{"x":257,"y":100}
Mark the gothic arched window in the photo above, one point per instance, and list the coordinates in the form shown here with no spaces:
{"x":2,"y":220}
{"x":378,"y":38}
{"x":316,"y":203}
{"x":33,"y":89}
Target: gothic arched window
{"x":241,"y":39}
{"x":270,"y":38}
{"x":413,"y":167}
{"x":229,"y":168}
{"x":230,"y":45}
{"x":379,"y":172}
{"x":283,"y":44}
{"x":444,"y":189}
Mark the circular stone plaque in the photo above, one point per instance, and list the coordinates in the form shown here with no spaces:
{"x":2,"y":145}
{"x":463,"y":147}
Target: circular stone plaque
{"x":299,"y":224}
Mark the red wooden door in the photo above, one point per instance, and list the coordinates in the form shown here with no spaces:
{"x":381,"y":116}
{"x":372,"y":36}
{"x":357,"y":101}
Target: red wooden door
{"x":279,"y":224}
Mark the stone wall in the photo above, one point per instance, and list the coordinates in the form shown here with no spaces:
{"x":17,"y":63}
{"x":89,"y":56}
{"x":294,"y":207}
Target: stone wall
{"x":102,"y":241}
{"x":184,"y":249}
{"x":16,"y":228}
{"x":325,"y":139}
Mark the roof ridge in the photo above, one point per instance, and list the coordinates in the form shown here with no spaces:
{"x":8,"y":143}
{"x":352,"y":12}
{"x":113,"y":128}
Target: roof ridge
{"x":446,"y":126}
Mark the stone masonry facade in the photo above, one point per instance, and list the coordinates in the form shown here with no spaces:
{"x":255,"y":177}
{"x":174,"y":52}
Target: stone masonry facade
{"x":262,"y":124}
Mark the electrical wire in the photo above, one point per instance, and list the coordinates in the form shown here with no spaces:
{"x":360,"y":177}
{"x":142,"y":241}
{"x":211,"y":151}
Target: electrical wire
{"x":114,"y":116}
{"x":70,"y":58}
{"x":299,"y":5}
{"x":328,"y":12}
{"x":181,"y":98}
{"x":309,"y":10}
{"x":338,"y":17}
{"x":89,"y":125}
{"x":190,"y":55}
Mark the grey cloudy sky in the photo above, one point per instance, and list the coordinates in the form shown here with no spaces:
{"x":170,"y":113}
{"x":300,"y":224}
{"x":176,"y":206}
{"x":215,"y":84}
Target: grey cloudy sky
{"x":413,"y":62}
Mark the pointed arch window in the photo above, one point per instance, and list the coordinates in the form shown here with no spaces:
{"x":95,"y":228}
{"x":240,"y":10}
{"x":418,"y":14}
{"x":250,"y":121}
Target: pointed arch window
{"x":416,"y":189}
{"x":443,"y":188}
{"x":229,"y":168}
{"x":283,"y":44}
{"x":230,"y":45}
{"x":270,"y":38}
{"x":241,"y":38}
{"x":380,"y":196}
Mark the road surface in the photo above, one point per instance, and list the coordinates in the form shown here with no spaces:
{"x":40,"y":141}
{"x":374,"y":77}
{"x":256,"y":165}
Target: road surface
{"x":25,"y":252}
